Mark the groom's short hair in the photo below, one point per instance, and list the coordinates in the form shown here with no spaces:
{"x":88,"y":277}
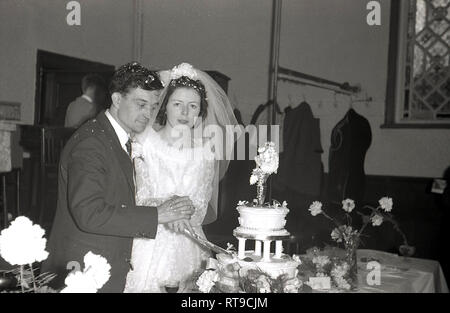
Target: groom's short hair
{"x":134,"y":75}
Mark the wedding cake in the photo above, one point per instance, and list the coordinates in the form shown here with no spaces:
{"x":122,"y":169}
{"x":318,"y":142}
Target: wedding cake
{"x":263,"y":224}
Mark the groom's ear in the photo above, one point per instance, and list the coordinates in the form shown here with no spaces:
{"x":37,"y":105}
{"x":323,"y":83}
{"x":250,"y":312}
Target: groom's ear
{"x":116,"y":97}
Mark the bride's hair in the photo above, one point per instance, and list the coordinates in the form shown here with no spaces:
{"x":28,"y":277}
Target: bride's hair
{"x":183,"y":82}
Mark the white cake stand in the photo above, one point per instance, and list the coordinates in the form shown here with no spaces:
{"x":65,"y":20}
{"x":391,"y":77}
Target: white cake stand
{"x":261,"y":240}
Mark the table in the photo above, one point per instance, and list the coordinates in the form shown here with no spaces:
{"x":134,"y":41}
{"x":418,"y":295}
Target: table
{"x":400,"y":274}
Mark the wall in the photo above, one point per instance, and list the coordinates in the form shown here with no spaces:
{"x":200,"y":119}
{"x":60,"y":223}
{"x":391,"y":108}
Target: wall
{"x":105,"y":35}
{"x":322,"y":37}
{"x":330,"y":39}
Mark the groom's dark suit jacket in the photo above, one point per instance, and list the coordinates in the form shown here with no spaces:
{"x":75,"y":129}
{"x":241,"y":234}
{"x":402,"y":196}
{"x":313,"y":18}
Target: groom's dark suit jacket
{"x":96,"y":208}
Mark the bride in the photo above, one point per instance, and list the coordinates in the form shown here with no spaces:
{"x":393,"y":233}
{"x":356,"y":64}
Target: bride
{"x":179,"y":159}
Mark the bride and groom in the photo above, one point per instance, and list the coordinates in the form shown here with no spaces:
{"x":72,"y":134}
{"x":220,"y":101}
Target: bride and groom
{"x":128,"y":188}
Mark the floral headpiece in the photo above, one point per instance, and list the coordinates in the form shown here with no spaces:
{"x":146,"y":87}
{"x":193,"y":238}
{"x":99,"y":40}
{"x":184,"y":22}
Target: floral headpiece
{"x":184,"y":75}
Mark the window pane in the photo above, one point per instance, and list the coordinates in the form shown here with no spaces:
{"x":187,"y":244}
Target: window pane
{"x":427,"y":72}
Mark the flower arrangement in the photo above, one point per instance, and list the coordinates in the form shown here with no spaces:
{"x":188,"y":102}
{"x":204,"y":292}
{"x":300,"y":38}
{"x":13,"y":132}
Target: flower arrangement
{"x":329,"y":262}
{"x":23,"y":243}
{"x":266,"y":164}
{"x":348,"y":235}
{"x":275,"y":204}
{"x":245,"y":280}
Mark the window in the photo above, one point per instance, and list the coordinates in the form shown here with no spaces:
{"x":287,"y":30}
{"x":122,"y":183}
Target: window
{"x":418,"y":89}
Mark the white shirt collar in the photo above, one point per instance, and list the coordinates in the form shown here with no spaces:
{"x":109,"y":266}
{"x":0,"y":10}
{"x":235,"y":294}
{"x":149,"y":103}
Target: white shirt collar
{"x":87,"y":98}
{"x":121,"y":133}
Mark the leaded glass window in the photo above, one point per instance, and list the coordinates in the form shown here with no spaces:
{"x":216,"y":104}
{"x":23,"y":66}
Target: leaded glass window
{"x":427,"y":72}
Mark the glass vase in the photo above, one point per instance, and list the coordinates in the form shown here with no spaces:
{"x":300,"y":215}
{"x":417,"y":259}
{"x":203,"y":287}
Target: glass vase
{"x":351,"y":256}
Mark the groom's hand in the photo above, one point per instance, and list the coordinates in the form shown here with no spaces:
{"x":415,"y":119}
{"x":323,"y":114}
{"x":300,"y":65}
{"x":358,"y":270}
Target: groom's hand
{"x":174,"y":209}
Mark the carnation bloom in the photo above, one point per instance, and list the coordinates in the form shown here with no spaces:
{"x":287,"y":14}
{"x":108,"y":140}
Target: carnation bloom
{"x":207,"y":280}
{"x":98,"y":267}
{"x":321,"y":260}
{"x":95,"y":274}
{"x":315,"y":208}
{"x":22,"y":242}
{"x":79,"y":282}
{"x":336,"y":235}
{"x":348,"y":205}
{"x":268,"y":159}
{"x":296,"y":258}
{"x":253,"y":179}
{"x":386,"y":204}
{"x":263,"y":284}
{"x":376,"y":219}
{"x":342,"y":283}
{"x":292,"y":285}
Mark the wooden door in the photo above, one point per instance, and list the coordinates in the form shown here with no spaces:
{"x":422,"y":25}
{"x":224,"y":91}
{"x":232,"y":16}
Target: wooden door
{"x":59,"y":83}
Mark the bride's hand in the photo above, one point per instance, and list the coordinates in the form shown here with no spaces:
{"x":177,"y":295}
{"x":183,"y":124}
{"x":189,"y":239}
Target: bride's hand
{"x":180,"y":225}
{"x":177,"y":208}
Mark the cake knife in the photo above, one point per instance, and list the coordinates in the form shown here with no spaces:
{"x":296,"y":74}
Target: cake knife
{"x":205,"y":243}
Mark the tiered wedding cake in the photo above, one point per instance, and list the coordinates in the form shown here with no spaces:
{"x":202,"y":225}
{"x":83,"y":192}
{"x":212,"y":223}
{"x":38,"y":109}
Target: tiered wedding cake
{"x":263,"y":224}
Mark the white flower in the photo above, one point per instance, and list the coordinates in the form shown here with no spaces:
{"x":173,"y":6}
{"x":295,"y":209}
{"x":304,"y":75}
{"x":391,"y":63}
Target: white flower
{"x":292,"y":285}
{"x":296,"y":258}
{"x":342,"y":283}
{"x":340,"y":270}
{"x":253,"y":179}
{"x":321,"y":260}
{"x":242,"y":202}
{"x":95,"y":274}
{"x":79,"y":282}
{"x":268,"y":159}
{"x":315,"y":208}
{"x":207,"y":280}
{"x":263,"y":284}
{"x":284,"y":204}
{"x":22,"y":242}
{"x":376,"y":219}
{"x":348,"y":205}
{"x":184,"y":69}
{"x":386,"y":204}
{"x":98,"y":267}
{"x":336,"y":235}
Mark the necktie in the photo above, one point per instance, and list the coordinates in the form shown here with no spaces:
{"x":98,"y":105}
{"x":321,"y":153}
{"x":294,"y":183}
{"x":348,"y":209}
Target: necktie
{"x":128,"y":146}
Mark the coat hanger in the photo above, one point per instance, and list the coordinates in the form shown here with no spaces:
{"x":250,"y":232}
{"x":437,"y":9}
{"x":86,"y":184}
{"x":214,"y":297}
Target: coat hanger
{"x":291,"y":103}
{"x":350,"y":103}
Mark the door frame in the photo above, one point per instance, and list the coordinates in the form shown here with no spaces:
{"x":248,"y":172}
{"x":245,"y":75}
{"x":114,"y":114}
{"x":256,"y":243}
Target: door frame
{"x":49,"y":61}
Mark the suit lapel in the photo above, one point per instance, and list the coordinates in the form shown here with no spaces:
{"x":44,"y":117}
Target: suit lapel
{"x":124,"y":160}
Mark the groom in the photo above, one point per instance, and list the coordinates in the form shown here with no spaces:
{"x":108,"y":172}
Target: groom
{"x":96,"y":208}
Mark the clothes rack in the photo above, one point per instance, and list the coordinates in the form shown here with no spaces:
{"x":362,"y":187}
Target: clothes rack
{"x":279,"y":73}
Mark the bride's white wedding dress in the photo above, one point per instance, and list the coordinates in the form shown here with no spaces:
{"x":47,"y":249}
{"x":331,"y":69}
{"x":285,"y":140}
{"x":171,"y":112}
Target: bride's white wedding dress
{"x":161,"y":172}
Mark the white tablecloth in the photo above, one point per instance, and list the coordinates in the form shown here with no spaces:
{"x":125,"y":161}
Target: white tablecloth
{"x":400,"y":274}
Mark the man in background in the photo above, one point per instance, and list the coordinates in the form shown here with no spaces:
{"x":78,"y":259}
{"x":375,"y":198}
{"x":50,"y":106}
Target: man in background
{"x":88,"y":105}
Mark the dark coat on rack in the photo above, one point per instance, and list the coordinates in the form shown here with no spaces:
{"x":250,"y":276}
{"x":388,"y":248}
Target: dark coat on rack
{"x":300,"y":168}
{"x":350,"y":140}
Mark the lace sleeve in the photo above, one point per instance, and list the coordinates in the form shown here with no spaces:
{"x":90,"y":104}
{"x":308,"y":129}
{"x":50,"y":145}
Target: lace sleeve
{"x":143,"y":182}
{"x":204,"y":193}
